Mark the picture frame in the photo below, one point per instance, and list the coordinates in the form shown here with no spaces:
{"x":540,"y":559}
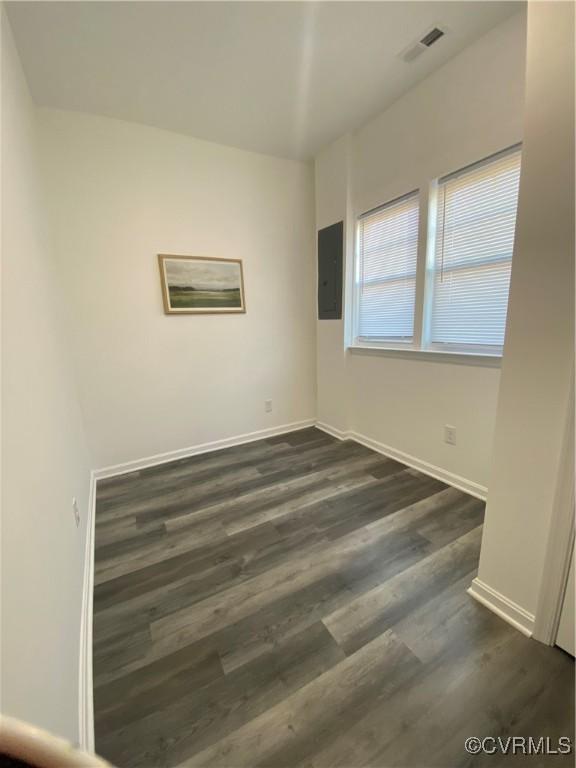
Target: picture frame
{"x":199,"y":285}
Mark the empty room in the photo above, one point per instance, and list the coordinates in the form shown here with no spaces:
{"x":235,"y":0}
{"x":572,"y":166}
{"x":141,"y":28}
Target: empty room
{"x":287,"y":384}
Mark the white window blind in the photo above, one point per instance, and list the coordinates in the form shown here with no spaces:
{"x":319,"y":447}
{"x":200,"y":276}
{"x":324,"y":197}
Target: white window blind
{"x":386,"y":277}
{"x":476,"y":218}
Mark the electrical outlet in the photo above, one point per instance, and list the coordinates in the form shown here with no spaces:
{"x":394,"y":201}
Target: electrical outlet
{"x":76,"y":512}
{"x":449,"y":434}
{"x":268,"y":406}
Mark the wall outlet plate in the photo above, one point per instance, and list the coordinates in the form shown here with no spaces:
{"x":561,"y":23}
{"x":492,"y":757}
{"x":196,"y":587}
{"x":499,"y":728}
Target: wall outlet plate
{"x":449,"y":434}
{"x":268,"y":406}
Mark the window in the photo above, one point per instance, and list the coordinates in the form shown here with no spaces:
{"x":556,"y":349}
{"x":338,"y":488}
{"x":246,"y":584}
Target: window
{"x":468,"y":255}
{"x":476,"y":217}
{"x":386,"y":278}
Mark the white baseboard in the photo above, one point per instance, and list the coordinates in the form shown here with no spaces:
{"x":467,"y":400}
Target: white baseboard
{"x":462,"y":483}
{"x":215,"y":445}
{"x":333,"y":431}
{"x":85,"y":687}
{"x":499,"y":604}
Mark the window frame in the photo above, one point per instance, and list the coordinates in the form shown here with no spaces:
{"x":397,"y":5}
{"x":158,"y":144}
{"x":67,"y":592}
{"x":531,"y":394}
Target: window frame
{"x":421,"y":345}
{"x":386,"y":342}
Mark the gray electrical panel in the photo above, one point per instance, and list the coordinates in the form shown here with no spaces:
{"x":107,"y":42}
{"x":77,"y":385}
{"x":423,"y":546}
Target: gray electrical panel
{"x":330,"y":259}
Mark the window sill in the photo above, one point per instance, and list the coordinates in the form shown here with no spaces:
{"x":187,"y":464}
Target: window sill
{"x":432,"y":355}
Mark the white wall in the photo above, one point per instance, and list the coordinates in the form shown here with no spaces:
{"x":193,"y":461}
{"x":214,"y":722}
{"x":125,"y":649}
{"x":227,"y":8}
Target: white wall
{"x":539,"y":349}
{"x":150,"y":383}
{"x":44,"y":457}
{"x":332,"y":204}
{"x":466,"y":110}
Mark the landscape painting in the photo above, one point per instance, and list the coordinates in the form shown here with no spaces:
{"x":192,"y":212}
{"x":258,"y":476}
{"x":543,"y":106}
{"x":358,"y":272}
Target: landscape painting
{"x":196,"y":285}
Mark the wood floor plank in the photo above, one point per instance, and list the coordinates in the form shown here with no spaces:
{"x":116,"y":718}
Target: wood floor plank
{"x":162,"y":571}
{"x":270,"y":495}
{"x":314,"y":714}
{"x":175,"y":487}
{"x":154,"y":551}
{"x":288,"y":498}
{"x":114,"y":489}
{"x":203,"y":715}
{"x":471,"y":700}
{"x":274,"y":584}
{"x":474,"y":640}
{"x":192,"y":496}
{"x":147,"y":690}
{"x":375,"y":611}
{"x":301,"y":601}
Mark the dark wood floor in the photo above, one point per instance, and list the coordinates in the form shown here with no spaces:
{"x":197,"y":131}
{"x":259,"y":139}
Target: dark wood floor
{"x":301,"y":602}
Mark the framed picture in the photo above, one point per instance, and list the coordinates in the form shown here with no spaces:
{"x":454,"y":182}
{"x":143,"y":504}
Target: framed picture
{"x":199,"y":285}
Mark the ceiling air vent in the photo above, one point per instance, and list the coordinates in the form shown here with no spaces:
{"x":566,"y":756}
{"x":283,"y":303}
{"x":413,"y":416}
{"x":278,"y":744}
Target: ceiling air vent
{"x":415,"y":49}
{"x":431,"y":37}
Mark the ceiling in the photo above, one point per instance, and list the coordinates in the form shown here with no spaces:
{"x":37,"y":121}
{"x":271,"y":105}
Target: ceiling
{"x":283,"y":78}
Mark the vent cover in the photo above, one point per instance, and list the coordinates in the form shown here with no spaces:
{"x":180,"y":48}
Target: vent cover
{"x":431,"y":37}
{"x":426,"y":41}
